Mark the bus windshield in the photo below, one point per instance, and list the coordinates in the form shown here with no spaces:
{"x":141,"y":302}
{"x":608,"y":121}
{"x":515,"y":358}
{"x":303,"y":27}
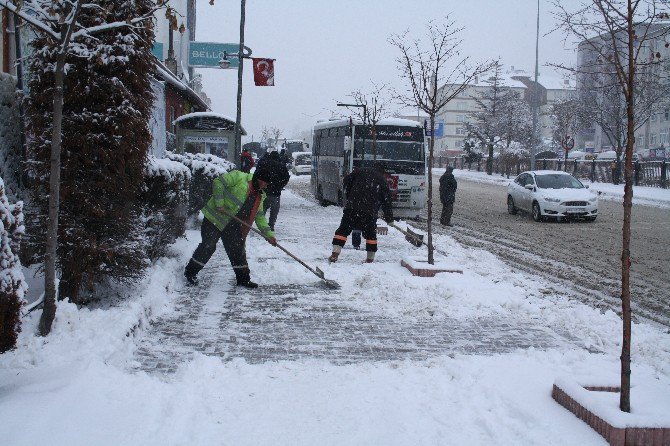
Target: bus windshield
{"x":391,"y":150}
{"x":292,"y":147}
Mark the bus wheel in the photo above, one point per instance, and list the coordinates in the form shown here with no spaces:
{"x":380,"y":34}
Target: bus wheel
{"x":319,"y":196}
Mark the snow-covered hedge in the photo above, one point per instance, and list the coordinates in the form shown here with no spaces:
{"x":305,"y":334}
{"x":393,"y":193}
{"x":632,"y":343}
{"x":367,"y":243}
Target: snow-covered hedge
{"x":10,"y":132}
{"x":12,"y":283}
{"x":165,"y":201}
{"x":204,"y":169}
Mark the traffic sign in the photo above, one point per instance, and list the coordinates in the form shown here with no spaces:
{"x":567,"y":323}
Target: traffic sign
{"x":208,"y":54}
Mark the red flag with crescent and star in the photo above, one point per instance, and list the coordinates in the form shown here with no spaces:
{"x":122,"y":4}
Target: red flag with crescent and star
{"x":264,"y":72}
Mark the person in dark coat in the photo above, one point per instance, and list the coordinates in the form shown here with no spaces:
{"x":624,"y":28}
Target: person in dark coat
{"x":246,"y":161}
{"x":273,"y":192}
{"x":448,"y":187}
{"x":364,"y":188}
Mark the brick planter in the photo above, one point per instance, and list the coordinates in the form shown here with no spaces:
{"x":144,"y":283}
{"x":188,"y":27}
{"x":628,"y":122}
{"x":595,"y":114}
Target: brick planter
{"x":572,"y":396}
{"x":422,"y":268}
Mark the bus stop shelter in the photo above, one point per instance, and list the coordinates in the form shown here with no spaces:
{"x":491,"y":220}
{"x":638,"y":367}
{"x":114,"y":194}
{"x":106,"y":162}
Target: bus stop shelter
{"x":207,"y":132}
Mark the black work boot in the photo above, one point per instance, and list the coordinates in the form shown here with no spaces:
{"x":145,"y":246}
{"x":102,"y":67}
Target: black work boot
{"x":243,"y":277}
{"x":191,"y":272}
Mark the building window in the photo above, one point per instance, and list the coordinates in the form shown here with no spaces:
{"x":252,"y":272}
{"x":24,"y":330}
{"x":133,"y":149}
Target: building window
{"x":666,"y":114}
{"x":652,"y":139}
{"x":460,"y":118}
{"x":663,"y":137}
{"x":460,"y":130}
{"x":460,"y":105}
{"x":653,"y":117}
{"x":639,"y":140}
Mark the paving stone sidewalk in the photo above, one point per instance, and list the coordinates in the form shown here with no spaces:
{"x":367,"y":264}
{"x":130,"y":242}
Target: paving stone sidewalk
{"x":297,"y":322}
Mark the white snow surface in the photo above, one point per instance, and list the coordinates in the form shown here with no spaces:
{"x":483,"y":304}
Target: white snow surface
{"x":78,"y":385}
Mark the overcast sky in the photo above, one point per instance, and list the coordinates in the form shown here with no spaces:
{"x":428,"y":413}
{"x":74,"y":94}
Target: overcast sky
{"x":325,"y":49}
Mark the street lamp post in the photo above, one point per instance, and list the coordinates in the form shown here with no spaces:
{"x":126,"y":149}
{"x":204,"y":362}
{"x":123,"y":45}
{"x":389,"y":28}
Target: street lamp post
{"x":365,"y":125}
{"x":224,"y":63}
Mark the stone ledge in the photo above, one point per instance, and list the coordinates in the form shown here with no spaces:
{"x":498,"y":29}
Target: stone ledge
{"x":424,"y":269}
{"x":615,"y":436}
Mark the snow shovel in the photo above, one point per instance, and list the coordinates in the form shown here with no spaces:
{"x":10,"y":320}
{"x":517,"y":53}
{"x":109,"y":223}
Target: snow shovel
{"x":412,"y":237}
{"x":316,"y":271}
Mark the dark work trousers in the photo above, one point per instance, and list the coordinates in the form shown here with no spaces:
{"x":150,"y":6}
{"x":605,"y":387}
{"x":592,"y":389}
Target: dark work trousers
{"x":447,"y":210}
{"x":367,"y":224}
{"x":233,"y":243}
{"x":272,"y":202}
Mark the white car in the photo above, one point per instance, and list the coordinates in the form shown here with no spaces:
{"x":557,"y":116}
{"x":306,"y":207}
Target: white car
{"x":550,"y":193}
{"x":302,"y":163}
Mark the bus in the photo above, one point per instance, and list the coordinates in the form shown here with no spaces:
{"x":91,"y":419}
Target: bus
{"x":341,"y":145}
{"x":294,"y":145}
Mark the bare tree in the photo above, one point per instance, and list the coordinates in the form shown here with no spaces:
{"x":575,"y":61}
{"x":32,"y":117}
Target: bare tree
{"x":275,"y":134}
{"x":567,"y":119}
{"x":619,"y":41}
{"x":59,"y":21}
{"x":502,"y":116}
{"x":436,"y":73}
{"x":376,"y":104}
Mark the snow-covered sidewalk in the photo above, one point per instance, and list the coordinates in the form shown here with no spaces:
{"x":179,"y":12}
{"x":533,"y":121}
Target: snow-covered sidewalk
{"x":642,"y":195}
{"x":388,"y":359}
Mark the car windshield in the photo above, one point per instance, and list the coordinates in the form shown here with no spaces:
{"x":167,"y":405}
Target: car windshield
{"x":302,"y":160}
{"x":558,"y":181}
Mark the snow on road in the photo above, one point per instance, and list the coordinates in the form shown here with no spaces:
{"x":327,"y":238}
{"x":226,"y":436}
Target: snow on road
{"x":388,"y":359}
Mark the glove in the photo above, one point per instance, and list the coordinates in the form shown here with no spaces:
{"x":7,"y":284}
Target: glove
{"x":272,"y":241}
{"x":388,"y":218}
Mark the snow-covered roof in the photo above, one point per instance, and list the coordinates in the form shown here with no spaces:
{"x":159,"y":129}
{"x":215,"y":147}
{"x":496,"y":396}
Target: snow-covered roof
{"x":211,"y":115}
{"x":169,"y":77}
{"x":385,"y":121}
{"x":550,"y":81}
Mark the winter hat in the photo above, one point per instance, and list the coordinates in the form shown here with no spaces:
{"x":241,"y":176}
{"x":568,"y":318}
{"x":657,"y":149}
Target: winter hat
{"x":272,"y":172}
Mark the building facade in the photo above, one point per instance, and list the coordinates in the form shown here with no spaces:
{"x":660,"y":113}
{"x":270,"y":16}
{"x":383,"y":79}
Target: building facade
{"x":458,"y":112}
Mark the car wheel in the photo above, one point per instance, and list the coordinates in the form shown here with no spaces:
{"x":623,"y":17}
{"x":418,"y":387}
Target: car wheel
{"x":511,"y":209}
{"x":537,"y":214}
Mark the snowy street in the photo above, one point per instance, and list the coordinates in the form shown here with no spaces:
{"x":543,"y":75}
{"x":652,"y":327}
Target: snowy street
{"x":581,"y":258}
{"x":387,"y":359}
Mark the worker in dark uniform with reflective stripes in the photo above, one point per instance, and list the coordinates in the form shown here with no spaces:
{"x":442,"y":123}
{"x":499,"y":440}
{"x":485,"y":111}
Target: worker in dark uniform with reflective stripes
{"x":364,"y":190}
{"x":240,"y":194}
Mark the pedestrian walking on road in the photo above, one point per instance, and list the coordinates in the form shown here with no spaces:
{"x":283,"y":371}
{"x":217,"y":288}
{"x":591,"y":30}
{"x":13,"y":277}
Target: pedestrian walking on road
{"x":273,"y":192}
{"x":448,"y":187}
{"x":240,"y":194}
{"x":364,"y":188}
{"x":246,"y":161}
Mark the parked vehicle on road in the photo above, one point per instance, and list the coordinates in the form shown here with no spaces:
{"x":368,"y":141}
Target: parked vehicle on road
{"x":551,"y":194}
{"x":302,"y":163}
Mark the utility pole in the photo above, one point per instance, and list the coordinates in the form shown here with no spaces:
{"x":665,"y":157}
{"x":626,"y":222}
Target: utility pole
{"x":536,"y":102}
{"x":238,"y":119}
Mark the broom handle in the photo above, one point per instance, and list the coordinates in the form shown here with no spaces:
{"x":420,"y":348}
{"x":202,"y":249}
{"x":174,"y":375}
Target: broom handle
{"x":225,"y":211}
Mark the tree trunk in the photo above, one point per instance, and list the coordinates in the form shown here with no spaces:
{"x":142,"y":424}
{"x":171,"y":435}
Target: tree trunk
{"x":49,"y":312}
{"x":489,"y":161}
{"x":431,"y":259}
{"x":624,"y":403}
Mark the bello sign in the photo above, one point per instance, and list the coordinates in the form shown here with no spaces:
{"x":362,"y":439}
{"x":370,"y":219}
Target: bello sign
{"x":208,"y":54}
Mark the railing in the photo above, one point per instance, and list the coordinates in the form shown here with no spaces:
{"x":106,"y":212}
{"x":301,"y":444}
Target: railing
{"x":646,"y":173}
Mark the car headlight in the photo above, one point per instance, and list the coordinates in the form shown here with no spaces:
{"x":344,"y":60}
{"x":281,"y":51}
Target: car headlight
{"x":552,"y":199}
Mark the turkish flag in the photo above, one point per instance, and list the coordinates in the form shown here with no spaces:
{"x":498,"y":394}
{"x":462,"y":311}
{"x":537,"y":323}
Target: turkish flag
{"x":264,"y":72}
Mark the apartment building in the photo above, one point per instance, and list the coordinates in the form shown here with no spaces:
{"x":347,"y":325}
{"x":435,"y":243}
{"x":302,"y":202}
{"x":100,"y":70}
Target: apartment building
{"x":458,"y":112}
